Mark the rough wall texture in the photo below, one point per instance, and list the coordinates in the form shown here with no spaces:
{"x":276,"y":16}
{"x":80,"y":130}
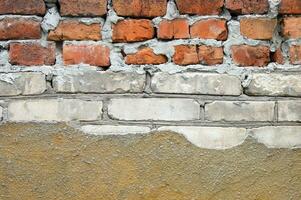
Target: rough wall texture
{"x":58,"y":162}
{"x":225,"y":75}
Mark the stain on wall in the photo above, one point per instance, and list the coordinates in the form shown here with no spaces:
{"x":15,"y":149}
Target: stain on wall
{"x":55,"y":161}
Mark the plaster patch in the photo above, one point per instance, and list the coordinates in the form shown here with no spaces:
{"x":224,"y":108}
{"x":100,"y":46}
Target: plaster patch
{"x":172,"y":11}
{"x":50,"y":20}
{"x":8,"y":78}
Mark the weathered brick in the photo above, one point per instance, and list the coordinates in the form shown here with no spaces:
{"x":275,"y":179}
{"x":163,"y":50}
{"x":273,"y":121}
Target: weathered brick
{"x":291,"y":27}
{"x":114,"y":129}
{"x":245,"y":55}
{"x":200,"y":7}
{"x":210,"y":29}
{"x":210,"y":137}
{"x":96,"y":55}
{"x":83,"y":7}
{"x":173,"y":29}
{"x":185,"y":55}
{"x":289,"y":111}
{"x":75,"y":30}
{"x":209,"y":55}
{"x":278,"y":136}
{"x":145,"y":56}
{"x":140,"y":8}
{"x":290,"y":7}
{"x":265,"y":28}
{"x":247,"y":6}
{"x":23,"y":7}
{"x":133,"y":30}
{"x":32,"y":53}
{"x":99,"y":82}
{"x":54,"y":110}
{"x":277,"y":56}
{"x":274,"y":85}
{"x":25,"y":83}
{"x":154,"y":109}
{"x":295,"y":54}
{"x":19,"y":28}
{"x":196,"y":83}
{"x":240,"y":111}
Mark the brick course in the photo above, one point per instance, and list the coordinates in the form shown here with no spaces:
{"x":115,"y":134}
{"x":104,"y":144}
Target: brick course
{"x":96,"y":55}
{"x":19,"y":28}
{"x":32,"y":53}
{"x":131,"y":62}
{"x":22,"y":7}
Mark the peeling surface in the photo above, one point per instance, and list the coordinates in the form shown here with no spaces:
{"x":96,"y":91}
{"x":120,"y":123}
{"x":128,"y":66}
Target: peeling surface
{"x":57,"y":162}
{"x":278,"y":137}
{"x":211,"y":137}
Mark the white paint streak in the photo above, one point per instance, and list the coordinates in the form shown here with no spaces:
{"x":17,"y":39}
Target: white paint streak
{"x":114,"y":130}
{"x":215,"y":138}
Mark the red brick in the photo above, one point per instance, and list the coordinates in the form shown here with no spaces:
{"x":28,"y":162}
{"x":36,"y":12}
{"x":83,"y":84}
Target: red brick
{"x":295,"y":54}
{"x":32,"y":53}
{"x":245,"y":55}
{"x":83,"y":7}
{"x":19,"y":28}
{"x":145,"y":56}
{"x":248,"y":6}
{"x":186,"y":55}
{"x":210,"y":29}
{"x":290,"y":7}
{"x":140,"y":8}
{"x":75,"y":30}
{"x":173,"y":29}
{"x":200,"y":7}
{"x":96,"y":55}
{"x":258,"y":28}
{"x":291,"y":27}
{"x":277,"y":56}
{"x":23,"y":7}
{"x":209,"y":55}
{"x":133,"y":30}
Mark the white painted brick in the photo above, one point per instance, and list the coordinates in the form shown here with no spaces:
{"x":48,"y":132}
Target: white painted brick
{"x":54,"y":110}
{"x":27,"y":83}
{"x":99,"y":82}
{"x":274,"y":85}
{"x":210,"y":137}
{"x":196,"y":83}
{"x":289,"y":111}
{"x":278,"y":136}
{"x":240,"y":111}
{"x":154,"y":109}
{"x":114,"y":129}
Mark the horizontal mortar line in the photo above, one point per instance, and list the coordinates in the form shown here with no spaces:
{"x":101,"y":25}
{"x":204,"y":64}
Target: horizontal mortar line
{"x":100,"y":96}
{"x":158,"y":124}
{"x":181,"y":123}
{"x":20,"y":69}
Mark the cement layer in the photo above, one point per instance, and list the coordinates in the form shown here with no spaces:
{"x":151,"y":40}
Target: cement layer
{"x":39,"y":161}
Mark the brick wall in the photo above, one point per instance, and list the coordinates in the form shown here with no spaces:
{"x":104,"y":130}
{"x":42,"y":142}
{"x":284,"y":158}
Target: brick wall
{"x":145,"y":65}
